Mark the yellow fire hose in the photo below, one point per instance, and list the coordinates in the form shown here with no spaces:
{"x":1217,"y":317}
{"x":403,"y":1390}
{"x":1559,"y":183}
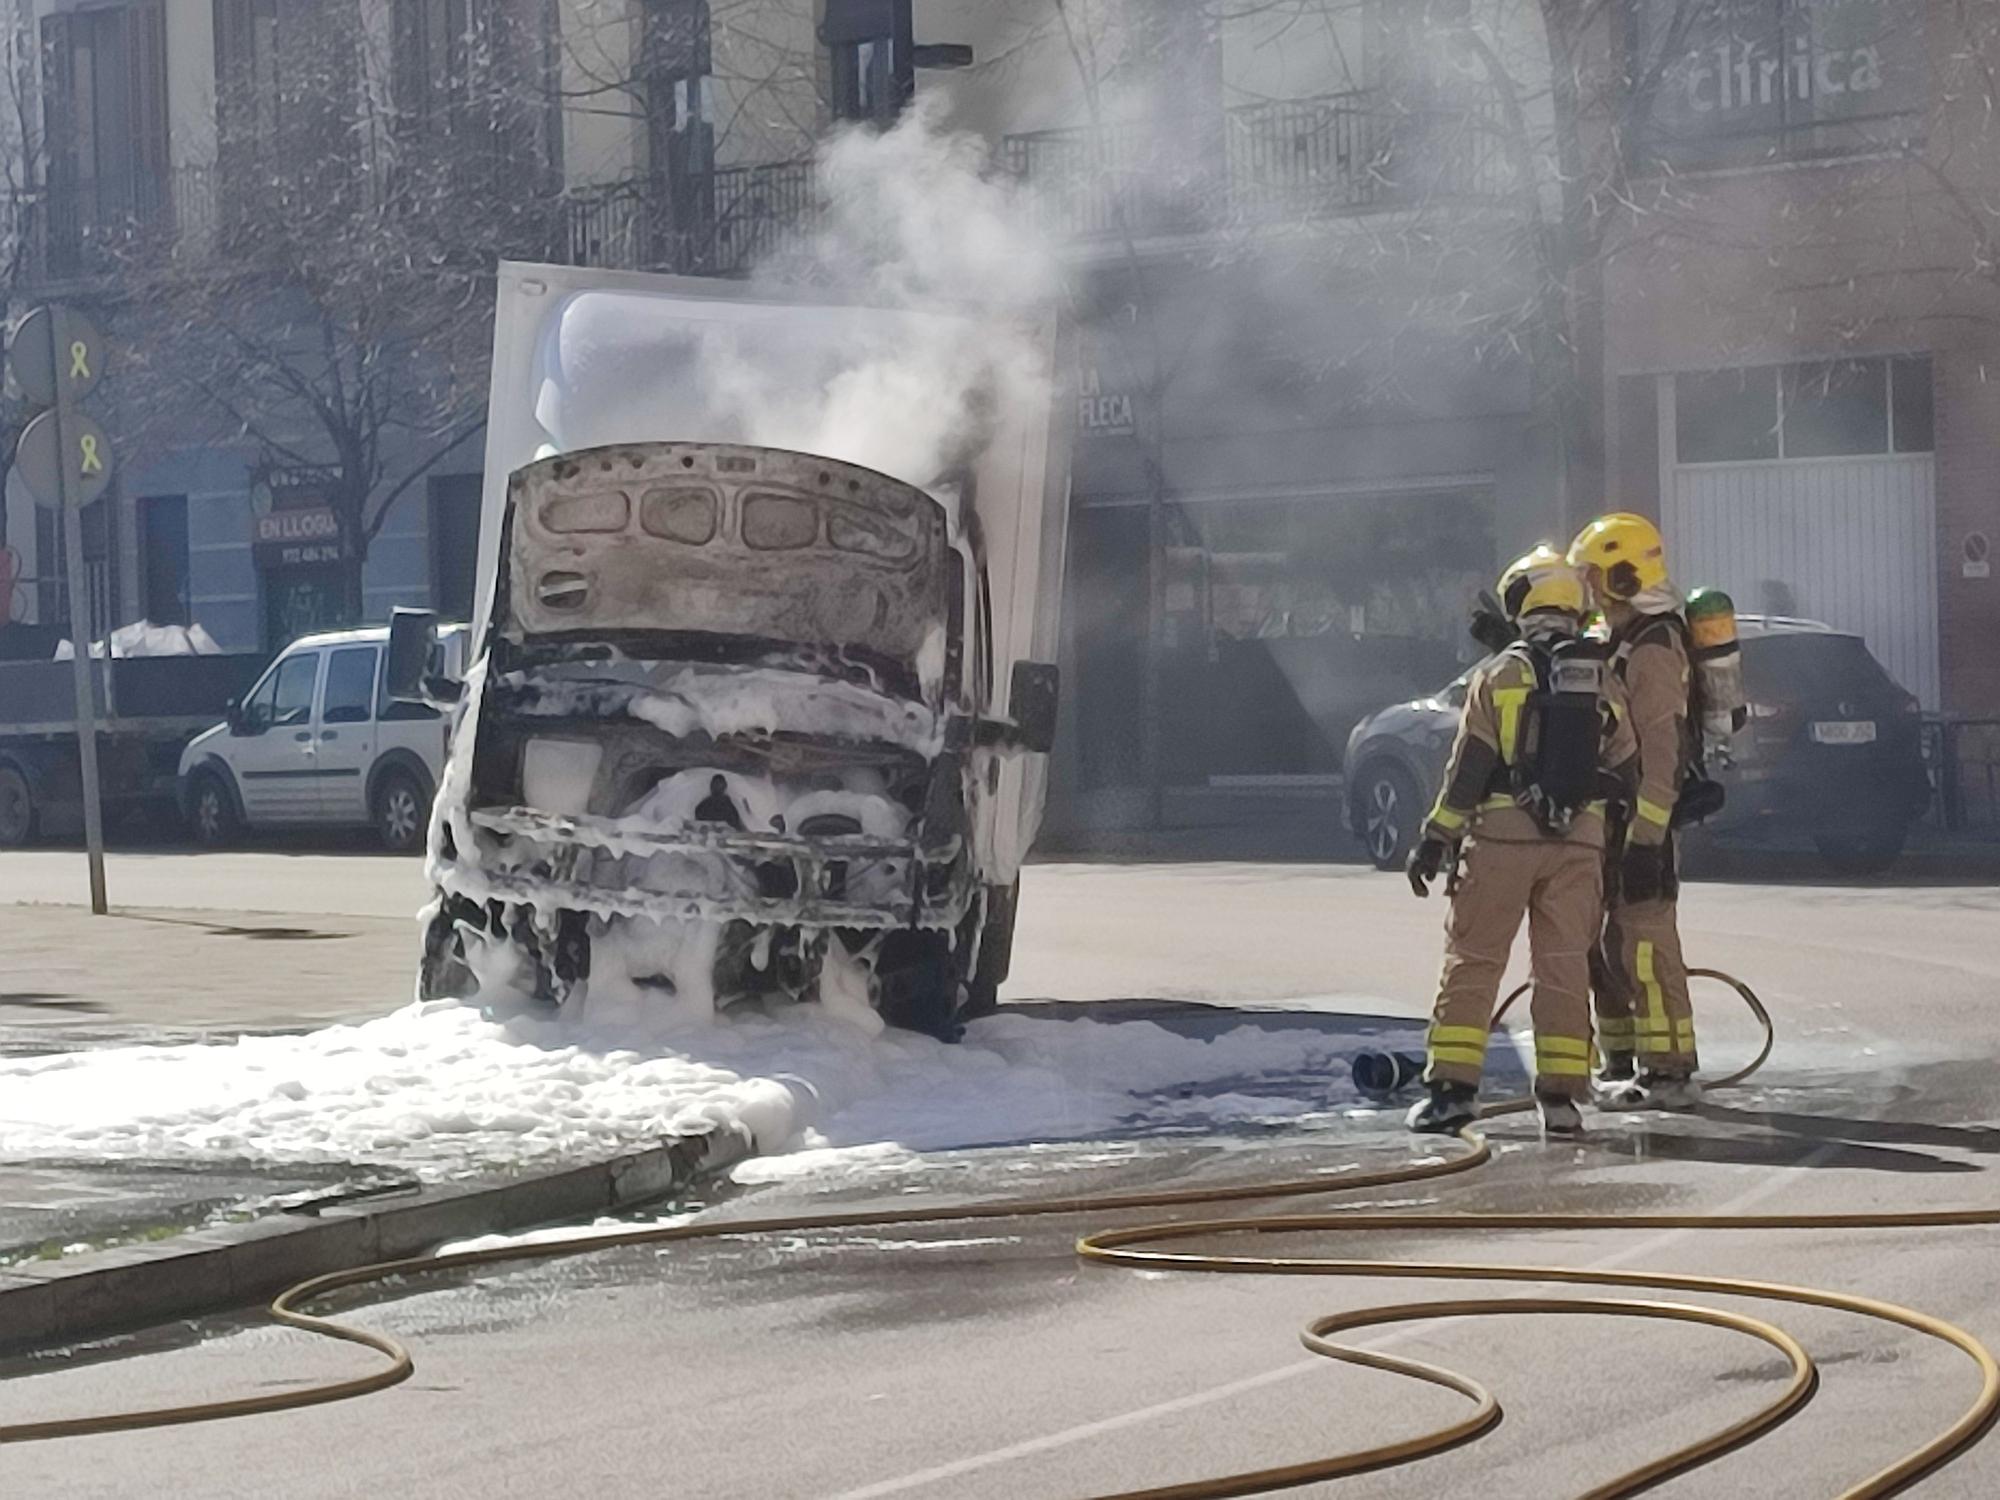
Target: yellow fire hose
{"x":1141,"y":1247}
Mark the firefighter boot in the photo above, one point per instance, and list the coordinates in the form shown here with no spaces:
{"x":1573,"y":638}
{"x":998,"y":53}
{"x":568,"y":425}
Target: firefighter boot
{"x":1675,"y":1093}
{"x":1449,"y":1108}
{"x":1559,"y":1115}
{"x":1617,"y":1067}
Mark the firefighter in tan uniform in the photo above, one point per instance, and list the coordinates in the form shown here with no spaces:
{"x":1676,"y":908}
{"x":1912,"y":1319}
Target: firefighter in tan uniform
{"x":1524,"y":793}
{"x":1645,"y":1021}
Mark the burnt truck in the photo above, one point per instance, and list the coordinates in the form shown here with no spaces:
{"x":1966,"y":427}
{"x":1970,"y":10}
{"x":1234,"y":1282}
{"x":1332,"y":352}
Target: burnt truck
{"x":743,"y":724}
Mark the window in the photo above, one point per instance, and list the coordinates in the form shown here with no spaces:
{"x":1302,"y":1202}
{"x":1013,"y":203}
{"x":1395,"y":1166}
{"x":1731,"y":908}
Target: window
{"x":1845,"y":408}
{"x":285,"y":695}
{"x":1836,"y":409}
{"x":779,"y":523}
{"x":432,"y":62}
{"x":679,"y":109}
{"x":454,"y":544}
{"x":350,"y":686}
{"x":685,"y":516}
{"x":872,"y":52}
{"x":163,"y":559}
{"x":1727,"y":415}
{"x":105,"y":76}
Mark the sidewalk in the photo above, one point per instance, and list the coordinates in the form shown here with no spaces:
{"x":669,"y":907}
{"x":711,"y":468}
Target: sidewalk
{"x":68,"y":978}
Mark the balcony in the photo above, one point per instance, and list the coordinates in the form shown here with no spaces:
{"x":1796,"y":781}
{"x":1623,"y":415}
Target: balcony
{"x":719,"y":224}
{"x":92,"y":228}
{"x":1268,"y":164}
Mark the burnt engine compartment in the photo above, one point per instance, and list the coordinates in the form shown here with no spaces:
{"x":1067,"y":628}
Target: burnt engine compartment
{"x":806,"y":829}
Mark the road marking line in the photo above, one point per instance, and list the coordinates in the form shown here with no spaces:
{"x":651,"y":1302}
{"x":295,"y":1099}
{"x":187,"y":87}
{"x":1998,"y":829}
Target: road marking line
{"x":1069,"y":1435}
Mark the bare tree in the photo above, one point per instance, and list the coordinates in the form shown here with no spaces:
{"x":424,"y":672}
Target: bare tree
{"x":333,"y":310}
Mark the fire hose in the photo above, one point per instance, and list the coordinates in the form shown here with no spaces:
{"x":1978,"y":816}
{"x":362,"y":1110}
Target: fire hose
{"x":1146,"y":1247}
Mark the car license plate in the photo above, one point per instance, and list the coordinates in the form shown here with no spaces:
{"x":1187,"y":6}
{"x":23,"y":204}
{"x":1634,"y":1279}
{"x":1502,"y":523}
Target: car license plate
{"x":1860,"y":732}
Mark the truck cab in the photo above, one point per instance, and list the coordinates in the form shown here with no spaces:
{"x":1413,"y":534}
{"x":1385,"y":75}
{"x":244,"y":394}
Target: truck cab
{"x":744,"y":724}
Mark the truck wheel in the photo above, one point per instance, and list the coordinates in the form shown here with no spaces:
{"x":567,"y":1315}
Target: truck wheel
{"x":17,"y":809}
{"x":212,"y":815}
{"x":400,"y":811}
{"x":916,"y":984}
{"x":1386,"y":811}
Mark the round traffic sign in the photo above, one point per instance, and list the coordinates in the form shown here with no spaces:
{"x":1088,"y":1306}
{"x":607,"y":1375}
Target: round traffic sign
{"x":77,"y":472}
{"x":57,"y":354}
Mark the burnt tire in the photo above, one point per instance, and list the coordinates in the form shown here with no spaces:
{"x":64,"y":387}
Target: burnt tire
{"x":1387,"y":812}
{"x":212,"y":816}
{"x":917,"y":986}
{"x":17,"y":809}
{"x":400,"y":810}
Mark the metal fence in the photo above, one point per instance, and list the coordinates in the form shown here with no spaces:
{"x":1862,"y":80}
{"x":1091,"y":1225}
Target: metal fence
{"x":90,"y":227}
{"x":1270,"y":163}
{"x":718,"y":224}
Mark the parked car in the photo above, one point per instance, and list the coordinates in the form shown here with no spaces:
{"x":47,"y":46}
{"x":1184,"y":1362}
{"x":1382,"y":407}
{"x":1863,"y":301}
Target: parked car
{"x":1833,"y":751}
{"x":317,"y":741}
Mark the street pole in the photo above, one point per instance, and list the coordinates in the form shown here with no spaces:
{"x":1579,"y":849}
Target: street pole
{"x":80,"y":632}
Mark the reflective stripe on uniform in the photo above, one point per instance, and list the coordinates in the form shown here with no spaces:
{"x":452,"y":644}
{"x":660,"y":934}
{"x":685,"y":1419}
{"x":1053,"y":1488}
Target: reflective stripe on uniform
{"x":1653,"y":1033}
{"x":1462,"y":1045}
{"x":1615,"y":1032}
{"x":1652,"y":812}
{"x":1562,"y":1056}
{"x":1509,"y":702}
{"x":1448,"y":820}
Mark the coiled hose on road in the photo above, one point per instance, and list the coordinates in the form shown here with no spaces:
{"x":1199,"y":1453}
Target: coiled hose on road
{"x":1143,"y":1247}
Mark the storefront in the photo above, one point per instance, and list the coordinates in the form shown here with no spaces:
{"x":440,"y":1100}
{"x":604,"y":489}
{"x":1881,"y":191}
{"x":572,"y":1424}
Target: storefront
{"x":298,"y":550}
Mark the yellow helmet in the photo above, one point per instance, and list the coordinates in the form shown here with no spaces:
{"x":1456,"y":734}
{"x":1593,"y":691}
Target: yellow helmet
{"x":1623,"y":554}
{"x":1540,"y":580}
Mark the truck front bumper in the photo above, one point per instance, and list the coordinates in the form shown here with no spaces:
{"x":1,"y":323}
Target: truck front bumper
{"x":609,"y":868}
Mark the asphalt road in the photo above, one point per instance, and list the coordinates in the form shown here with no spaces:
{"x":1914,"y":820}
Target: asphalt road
{"x":984,"y":1361}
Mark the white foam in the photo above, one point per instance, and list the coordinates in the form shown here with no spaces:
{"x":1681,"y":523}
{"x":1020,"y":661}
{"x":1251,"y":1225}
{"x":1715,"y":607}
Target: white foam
{"x":444,"y":1087}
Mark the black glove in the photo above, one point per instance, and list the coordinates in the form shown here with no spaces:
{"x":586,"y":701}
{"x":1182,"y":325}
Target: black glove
{"x":1642,"y":873}
{"x":1426,"y":863}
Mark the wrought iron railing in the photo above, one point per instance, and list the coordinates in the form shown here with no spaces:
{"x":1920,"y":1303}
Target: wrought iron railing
{"x":89,"y":227}
{"x":1271,"y":162}
{"x":717,"y":224}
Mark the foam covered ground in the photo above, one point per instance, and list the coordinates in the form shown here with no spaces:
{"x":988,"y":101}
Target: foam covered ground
{"x":443,"y":1086}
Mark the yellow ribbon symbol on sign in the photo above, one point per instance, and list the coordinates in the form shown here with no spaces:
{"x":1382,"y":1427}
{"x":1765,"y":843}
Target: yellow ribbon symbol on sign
{"x":79,"y":360}
{"x":93,"y":461}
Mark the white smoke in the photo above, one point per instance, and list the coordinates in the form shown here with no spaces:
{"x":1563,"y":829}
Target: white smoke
{"x":914,"y":221}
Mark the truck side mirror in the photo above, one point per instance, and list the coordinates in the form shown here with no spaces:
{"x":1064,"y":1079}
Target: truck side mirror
{"x":232,"y":715}
{"x":1031,"y":703}
{"x":412,"y":641}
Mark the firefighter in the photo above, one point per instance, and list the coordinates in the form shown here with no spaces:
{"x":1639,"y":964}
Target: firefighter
{"x":1523,"y":794}
{"x":1645,"y":1021}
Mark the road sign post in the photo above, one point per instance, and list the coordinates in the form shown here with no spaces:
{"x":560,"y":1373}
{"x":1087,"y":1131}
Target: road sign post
{"x":65,"y":459}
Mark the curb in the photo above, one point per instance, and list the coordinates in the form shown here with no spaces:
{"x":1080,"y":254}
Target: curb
{"x":236,"y":1265}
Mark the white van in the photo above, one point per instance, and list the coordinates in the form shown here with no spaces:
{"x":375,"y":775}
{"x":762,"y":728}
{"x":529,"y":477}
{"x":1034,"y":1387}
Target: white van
{"x":319,"y":742}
